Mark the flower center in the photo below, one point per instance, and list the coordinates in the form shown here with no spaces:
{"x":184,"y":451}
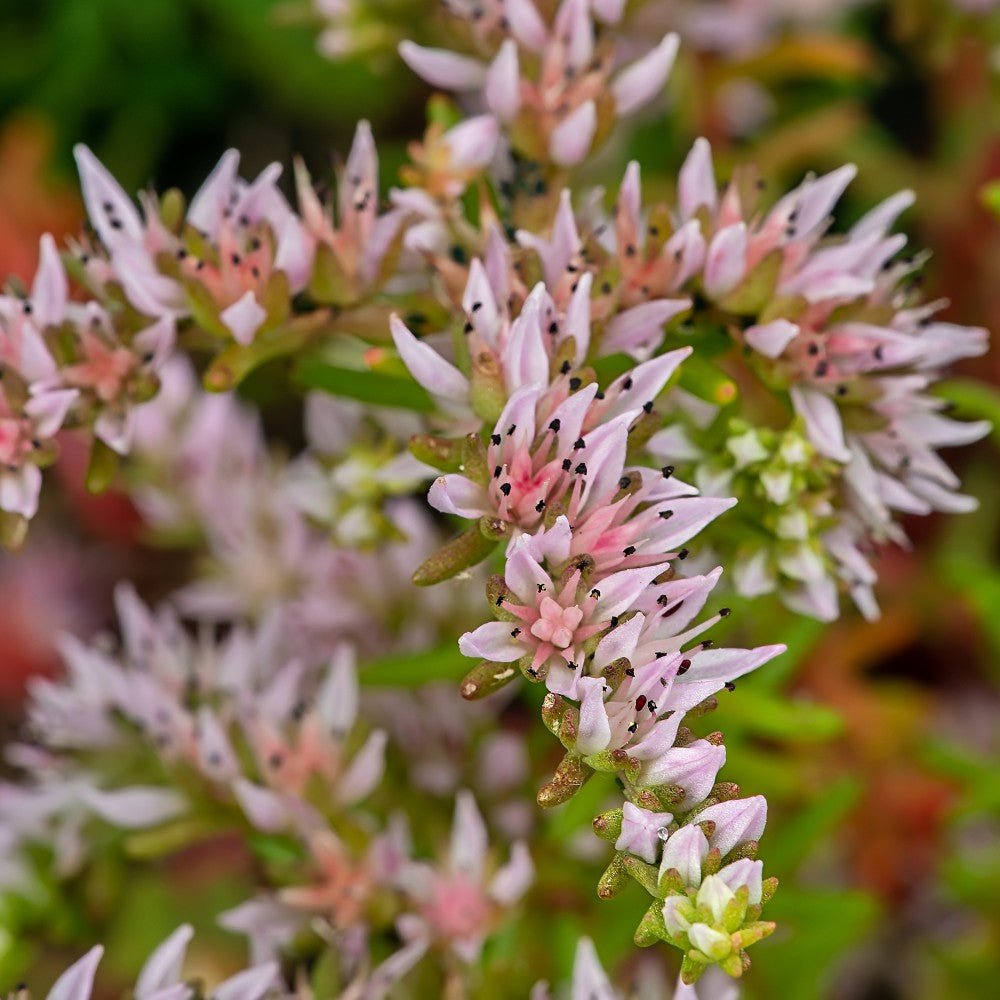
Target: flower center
{"x":556,"y":624}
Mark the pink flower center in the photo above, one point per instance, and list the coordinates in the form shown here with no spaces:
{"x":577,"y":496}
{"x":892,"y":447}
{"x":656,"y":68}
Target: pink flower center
{"x":556,"y":624}
{"x":458,"y":908}
{"x":15,"y":442}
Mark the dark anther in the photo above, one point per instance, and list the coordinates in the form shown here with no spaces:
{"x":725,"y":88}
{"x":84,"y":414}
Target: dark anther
{"x":505,"y":489}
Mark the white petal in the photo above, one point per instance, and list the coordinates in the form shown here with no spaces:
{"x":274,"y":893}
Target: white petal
{"x":77,"y":981}
{"x":244,"y":318}
{"x":163,"y":967}
{"x":571,"y":139}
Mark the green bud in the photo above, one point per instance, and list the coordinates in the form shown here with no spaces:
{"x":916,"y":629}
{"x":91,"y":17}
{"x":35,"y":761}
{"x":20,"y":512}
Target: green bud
{"x":614,"y":878}
{"x":485,"y":678}
{"x":570,"y":777}
{"x":608,"y":826}
{"x":460,"y":553}
{"x":651,"y":928}
{"x":646,"y":875}
{"x":441,"y":453}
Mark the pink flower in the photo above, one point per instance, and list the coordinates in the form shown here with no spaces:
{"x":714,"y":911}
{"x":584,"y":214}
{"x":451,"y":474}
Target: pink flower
{"x":552,"y":621}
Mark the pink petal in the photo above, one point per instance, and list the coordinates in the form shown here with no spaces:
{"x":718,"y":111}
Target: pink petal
{"x":136,"y":807}
{"x":513,"y":879}
{"x":526,"y":24}
{"x":469,"y":842}
{"x":362,"y":776}
{"x":213,"y":197}
{"x":503,"y":83}
{"x":50,"y":289}
{"x":454,"y":494}
{"x":492,"y":641}
{"x":639,"y":330}
{"x":644,"y":79}
{"x":691,"y":514}
{"x":472,"y":142}
{"x":442,"y":68}
{"x":436,"y":375}
{"x":77,"y":981}
{"x":620,"y":590}
{"x":685,"y":850}
{"x":771,"y":339}
{"x":589,"y":980}
{"x":696,"y":184}
{"x":725,"y":262}
{"x":571,"y":139}
{"x":736,"y":821}
{"x":100,"y":189}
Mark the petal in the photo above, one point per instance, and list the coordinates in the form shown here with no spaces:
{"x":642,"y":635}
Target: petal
{"x":639,"y":330}
{"x":50,"y":289}
{"x":454,"y":494}
{"x":725,"y":261}
{"x":513,"y":879}
{"x":213,"y":197}
{"x":467,"y":850}
{"x":594,"y":731}
{"x":526,"y":24}
{"x":244,"y":318}
{"x":691,"y":514}
{"x":77,"y":981}
{"x":363,"y":774}
{"x":503,"y":83}
{"x":163,"y":967}
{"x":339,"y":694}
{"x":106,"y":201}
{"x":492,"y":641}
{"x":48,"y":410}
{"x":251,"y":984}
{"x":771,"y":339}
{"x":736,"y":821}
{"x":620,"y":590}
{"x":823,"y":423}
{"x":696,"y":183}
{"x":644,"y":79}
{"x":436,"y":375}
{"x":684,"y":851}
{"x":571,"y":139}
{"x":442,"y":68}
{"x":473,"y":142}
{"x":264,"y":808}
{"x":589,"y":980}
{"x":136,"y":807}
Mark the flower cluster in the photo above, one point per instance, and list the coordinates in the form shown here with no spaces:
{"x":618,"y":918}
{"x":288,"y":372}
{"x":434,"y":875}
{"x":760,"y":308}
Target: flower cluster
{"x":262,"y":745}
{"x":589,"y":393}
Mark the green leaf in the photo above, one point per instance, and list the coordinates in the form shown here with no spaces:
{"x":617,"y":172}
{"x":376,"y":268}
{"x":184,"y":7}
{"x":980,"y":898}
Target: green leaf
{"x":367,"y":386}
{"x":445,"y":663}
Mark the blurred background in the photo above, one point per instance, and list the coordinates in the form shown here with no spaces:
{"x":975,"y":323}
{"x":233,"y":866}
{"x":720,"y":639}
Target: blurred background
{"x":877,"y":745}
